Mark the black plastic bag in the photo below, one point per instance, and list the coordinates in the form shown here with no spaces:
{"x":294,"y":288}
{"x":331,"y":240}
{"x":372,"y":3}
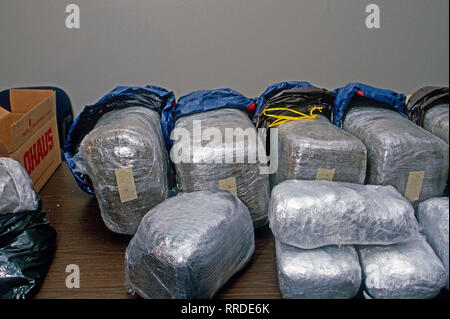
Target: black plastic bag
{"x":423,"y":100}
{"x":302,"y":99}
{"x":27,"y":240}
{"x":27,"y":245}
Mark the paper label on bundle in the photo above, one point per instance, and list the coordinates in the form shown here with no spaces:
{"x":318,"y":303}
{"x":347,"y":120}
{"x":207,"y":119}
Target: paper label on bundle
{"x":228,"y":184}
{"x":125,"y":184}
{"x":414,"y":185}
{"x":324,"y":174}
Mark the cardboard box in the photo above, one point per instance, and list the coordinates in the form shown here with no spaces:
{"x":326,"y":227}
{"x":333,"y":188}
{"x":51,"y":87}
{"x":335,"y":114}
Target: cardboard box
{"x":29,"y":133}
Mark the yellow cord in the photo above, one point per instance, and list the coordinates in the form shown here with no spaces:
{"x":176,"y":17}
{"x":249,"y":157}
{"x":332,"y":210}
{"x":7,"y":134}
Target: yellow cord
{"x":280,"y":119}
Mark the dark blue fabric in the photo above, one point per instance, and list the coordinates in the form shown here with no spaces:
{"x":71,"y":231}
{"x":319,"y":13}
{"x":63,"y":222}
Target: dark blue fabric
{"x":201,"y":101}
{"x":345,"y":94}
{"x":274,"y":89}
{"x":120,"y":97}
{"x":4,"y":100}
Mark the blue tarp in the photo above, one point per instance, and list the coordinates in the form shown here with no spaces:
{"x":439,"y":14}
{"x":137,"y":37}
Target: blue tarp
{"x":345,"y":94}
{"x":202,"y":101}
{"x":274,"y":89}
{"x":152,"y":97}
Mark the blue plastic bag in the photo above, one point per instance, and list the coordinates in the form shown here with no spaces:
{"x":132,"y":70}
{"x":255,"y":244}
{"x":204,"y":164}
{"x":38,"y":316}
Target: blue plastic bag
{"x":345,"y":94}
{"x":202,"y":101}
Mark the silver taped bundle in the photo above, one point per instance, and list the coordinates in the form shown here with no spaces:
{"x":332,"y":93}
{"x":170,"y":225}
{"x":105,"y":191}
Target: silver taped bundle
{"x":127,"y":161}
{"x":400,"y":153}
{"x":324,"y":273}
{"x":436,"y":121}
{"x":189,"y":246}
{"x":409,"y":270}
{"x":214,"y":162}
{"x":313,"y":214}
{"x":16,"y":188}
{"x":433,"y":216}
{"x":309,"y":149}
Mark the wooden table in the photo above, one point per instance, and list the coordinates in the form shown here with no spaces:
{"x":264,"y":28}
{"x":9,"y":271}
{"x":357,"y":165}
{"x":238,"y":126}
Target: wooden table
{"x":84,"y":240}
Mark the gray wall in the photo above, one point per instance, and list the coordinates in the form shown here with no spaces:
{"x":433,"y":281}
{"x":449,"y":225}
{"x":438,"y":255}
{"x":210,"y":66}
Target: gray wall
{"x":243,"y":44}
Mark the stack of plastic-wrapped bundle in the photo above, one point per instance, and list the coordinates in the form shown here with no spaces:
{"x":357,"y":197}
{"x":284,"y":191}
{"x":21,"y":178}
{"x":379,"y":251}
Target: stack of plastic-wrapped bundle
{"x":433,"y":216}
{"x":310,"y":147}
{"x":215,"y":146}
{"x":189,"y":246}
{"x":118,"y":146}
{"x":332,"y":236}
{"x":436,"y":121}
{"x":428,"y":107}
{"x":400,"y":153}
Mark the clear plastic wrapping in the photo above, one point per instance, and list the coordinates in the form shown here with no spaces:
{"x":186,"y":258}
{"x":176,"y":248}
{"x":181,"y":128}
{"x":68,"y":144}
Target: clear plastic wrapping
{"x":189,"y":246}
{"x":16,"y":188}
{"x":408,"y":270}
{"x":313,"y":214}
{"x":436,"y":121}
{"x":305,"y":148}
{"x":127,"y":161}
{"x":27,"y":239}
{"x":400,"y":153}
{"x":433,"y":216}
{"x":324,"y":273}
{"x":207,"y":168}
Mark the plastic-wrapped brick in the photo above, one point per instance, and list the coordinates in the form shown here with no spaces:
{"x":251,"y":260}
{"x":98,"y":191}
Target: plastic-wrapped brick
{"x":408,"y":270}
{"x":151,"y":97}
{"x":428,"y":108}
{"x":221,"y":163}
{"x":324,"y":273}
{"x":317,"y":149}
{"x":400,"y":153}
{"x":189,"y":246}
{"x":313,"y":214}
{"x":16,"y":188}
{"x":126,"y":159}
{"x":436,"y":121}
{"x":433,"y":216}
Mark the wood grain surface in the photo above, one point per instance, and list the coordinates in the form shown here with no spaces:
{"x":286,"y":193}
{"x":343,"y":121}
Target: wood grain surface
{"x":84,"y":240}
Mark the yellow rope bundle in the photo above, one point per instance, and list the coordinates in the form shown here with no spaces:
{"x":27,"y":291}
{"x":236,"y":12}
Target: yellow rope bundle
{"x":280,"y":119}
